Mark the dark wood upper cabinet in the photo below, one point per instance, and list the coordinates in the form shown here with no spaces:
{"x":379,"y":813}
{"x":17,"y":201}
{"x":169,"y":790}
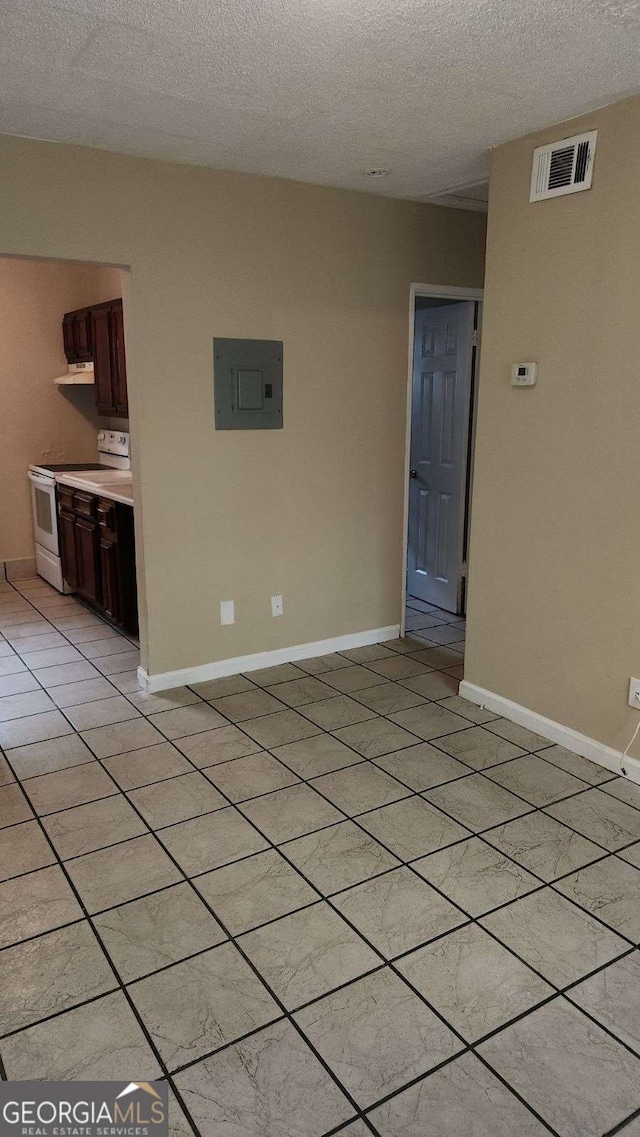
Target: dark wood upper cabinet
{"x":97,"y":333}
{"x":76,"y":333}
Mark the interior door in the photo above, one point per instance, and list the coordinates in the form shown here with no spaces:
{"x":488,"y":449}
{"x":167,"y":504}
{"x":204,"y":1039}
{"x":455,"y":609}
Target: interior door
{"x":440,"y":414}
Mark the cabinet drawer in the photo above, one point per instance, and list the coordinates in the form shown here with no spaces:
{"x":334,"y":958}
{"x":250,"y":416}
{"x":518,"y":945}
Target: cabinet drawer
{"x":65,"y":498}
{"x":84,"y":503}
{"x":107,"y":515}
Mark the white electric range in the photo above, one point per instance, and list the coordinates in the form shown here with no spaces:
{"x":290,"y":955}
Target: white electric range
{"x":114,"y":452}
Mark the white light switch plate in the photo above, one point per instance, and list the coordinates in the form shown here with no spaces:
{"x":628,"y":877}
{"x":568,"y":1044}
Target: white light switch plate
{"x":277,"y":607}
{"x":227,"y":612}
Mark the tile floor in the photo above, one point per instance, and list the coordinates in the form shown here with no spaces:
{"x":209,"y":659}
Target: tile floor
{"x":325,"y":897}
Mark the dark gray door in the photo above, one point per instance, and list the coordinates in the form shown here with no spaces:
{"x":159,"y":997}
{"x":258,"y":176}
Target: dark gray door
{"x":440,"y":415}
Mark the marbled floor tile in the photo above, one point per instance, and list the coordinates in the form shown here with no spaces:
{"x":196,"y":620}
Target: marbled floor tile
{"x":412,"y":828}
{"x":631,"y":855}
{"x":49,"y":974}
{"x":437,"y":658}
{"x":421,"y":767}
{"x":122,"y":872}
{"x":477,"y":802}
{"x":218,"y":688}
{"x":543,"y":845}
{"x":473,"y":981}
{"x":101,"y":1041}
{"x":478,"y":748}
{"x":120,"y":738}
{"x":245,"y":778}
{"x":177,"y":799}
{"x":385,"y":698}
{"x":36,"y":903}
{"x":358,"y":788}
{"x":54,"y":675}
{"x":602,"y":818}
{"x":213,"y":746}
{"x":183,"y":721}
{"x":375,"y":737}
{"x":102,"y":712}
{"x":36,"y":728}
{"x":356,"y":1129}
{"x":330,"y":714}
{"x":561,"y":941}
{"x":612,"y":996}
{"x":339,"y":856}
{"x":23,"y":848}
{"x":352,"y":678}
{"x":519,"y":735}
{"x":14,"y":806}
{"x":398,"y":667}
{"x":536,"y":781}
{"x":146,"y":766}
{"x":269,"y":1085}
{"x":247,"y":704}
{"x":88,"y":827}
{"x":429,"y":721}
{"x":476,"y":876}
{"x":318,"y":755}
{"x":576,"y":764}
{"x":290,"y":813}
{"x":26,"y":703}
{"x":308,"y":954}
{"x":320,"y":664}
{"x":85,"y":691}
{"x":64,"y":789}
{"x":279,"y":728}
{"x":397,"y":911}
{"x":609,"y":890}
{"x":460,"y":706}
{"x":6,"y":776}
{"x":16,"y":684}
{"x":157,"y":930}
{"x":434,"y":685}
{"x":254,"y":891}
{"x":150,"y":704}
{"x":368,"y":653}
{"x":624,"y":790}
{"x":207,"y":842}
{"x":462,"y":1099}
{"x":579,"y":1079}
{"x":280,"y":673}
{"x":376,"y":1035}
{"x":115,"y":664}
{"x":299,"y":692}
{"x":196,"y":1006}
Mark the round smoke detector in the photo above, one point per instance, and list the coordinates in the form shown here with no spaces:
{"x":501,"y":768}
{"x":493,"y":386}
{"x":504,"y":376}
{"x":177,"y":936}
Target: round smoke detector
{"x":376,"y":172}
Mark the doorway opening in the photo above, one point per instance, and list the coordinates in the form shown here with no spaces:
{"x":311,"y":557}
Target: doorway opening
{"x":444,"y":345}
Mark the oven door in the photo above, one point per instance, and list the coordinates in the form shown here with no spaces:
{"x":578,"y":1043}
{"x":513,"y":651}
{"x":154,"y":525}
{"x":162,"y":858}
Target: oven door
{"x":43,"y":504}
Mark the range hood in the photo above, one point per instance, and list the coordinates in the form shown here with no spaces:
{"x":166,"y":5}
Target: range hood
{"x":77,"y":373}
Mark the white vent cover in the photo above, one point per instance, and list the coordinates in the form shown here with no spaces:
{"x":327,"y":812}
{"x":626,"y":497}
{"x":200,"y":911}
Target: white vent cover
{"x":563,"y":167}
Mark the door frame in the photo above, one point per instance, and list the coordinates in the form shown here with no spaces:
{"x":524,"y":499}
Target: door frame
{"x":436,"y":292}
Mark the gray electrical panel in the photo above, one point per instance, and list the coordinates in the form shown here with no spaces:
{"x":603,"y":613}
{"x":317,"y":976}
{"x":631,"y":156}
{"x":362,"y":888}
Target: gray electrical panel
{"x":247,"y":384}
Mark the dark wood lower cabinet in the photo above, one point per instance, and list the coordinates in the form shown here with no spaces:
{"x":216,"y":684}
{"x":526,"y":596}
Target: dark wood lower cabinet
{"x":97,"y":548}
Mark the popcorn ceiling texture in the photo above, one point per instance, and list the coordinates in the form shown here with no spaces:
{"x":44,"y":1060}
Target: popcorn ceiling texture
{"x":315,"y":91}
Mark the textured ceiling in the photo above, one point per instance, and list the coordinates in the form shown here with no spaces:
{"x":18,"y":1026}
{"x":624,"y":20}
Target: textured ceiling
{"x":317,"y":90}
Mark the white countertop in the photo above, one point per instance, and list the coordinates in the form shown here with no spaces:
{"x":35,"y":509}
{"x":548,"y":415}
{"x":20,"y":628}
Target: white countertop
{"x":116,"y":485}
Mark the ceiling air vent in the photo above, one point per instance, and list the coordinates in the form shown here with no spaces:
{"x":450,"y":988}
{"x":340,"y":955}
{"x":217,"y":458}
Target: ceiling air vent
{"x":563,"y":167}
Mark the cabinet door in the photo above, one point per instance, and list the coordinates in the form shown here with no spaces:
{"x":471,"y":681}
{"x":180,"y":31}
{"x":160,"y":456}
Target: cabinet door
{"x":82,"y":336}
{"x":86,"y":541}
{"x":66,"y":531}
{"x":118,"y":360}
{"x":103,"y":375}
{"x":68,"y":338}
{"x":110,"y":578}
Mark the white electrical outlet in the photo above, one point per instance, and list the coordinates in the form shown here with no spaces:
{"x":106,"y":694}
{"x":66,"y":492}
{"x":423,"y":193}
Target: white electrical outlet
{"x":634,"y":693}
{"x":277,"y":607}
{"x":227,"y":612}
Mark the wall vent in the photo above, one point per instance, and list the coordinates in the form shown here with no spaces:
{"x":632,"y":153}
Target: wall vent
{"x":563,"y":167}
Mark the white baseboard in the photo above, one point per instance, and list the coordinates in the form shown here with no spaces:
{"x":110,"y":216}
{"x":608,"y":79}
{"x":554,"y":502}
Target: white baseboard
{"x":187,"y":676}
{"x":562,"y":735}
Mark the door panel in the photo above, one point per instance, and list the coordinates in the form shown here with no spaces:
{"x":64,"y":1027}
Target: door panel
{"x":439,"y":447}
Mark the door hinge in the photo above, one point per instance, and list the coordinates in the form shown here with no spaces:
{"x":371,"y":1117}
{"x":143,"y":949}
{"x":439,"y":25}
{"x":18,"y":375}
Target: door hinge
{"x":474,"y":337}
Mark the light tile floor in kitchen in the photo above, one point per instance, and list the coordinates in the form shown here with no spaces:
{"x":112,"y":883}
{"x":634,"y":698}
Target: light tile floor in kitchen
{"x":325,"y":897}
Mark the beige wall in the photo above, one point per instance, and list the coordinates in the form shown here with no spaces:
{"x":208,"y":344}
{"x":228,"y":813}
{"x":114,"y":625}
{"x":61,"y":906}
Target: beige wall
{"x":313,"y":511}
{"x":554,"y":606}
{"x":40,"y":421}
